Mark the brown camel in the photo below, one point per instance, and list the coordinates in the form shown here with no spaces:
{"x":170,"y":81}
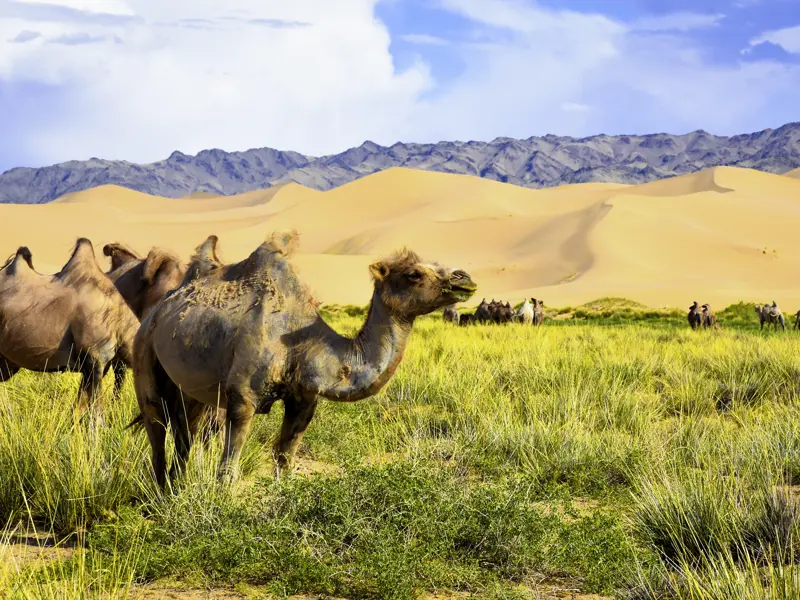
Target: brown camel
{"x":483,"y":313}
{"x":695,"y":317}
{"x":142,"y":282}
{"x":797,"y":320}
{"x":709,"y":318}
{"x":538,"y":311}
{"x":75,"y":320}
{"x":246,"y":335}
{"x":465,"y":319}
{"x":771,"y":315}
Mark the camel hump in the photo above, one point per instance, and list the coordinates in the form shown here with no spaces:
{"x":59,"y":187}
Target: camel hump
{"x":156,"y":259}
{"x":284,"y":242}
{"x":22,"y":255}
{"x":82,"y":268}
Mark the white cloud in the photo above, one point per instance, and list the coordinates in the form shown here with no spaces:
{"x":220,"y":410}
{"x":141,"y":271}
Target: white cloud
{"x":150,"y":85}
{"x":105,"y":7}
{"x":423,"y":39}
{"x":678,"y":21}
{"x":788,"y":39}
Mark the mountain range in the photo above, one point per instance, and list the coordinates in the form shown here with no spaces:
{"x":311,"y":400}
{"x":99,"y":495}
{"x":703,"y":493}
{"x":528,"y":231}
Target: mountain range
{"x":535,"y":162}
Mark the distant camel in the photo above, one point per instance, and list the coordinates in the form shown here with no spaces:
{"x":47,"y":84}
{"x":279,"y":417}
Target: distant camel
{"x":483,"y":314}
{"x":465,"y":319}
{"x":538,"y":311}
{"x":450,"y":315}
{"x":695,"y":316}
{"x":525,"y":313}
{"x":771,"y":315}
{"x":797,"y":320}
{"x":709,"y":318}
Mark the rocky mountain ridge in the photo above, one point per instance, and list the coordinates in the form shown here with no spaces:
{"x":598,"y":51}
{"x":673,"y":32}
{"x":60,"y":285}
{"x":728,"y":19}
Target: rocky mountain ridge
{"x":534,"y":162}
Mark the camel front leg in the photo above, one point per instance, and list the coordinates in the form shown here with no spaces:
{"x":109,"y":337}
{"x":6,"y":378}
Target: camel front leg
{"x":297,"y":415}
{"x":241,"y":408}
{"x":90,"y":390}
{"x":120,"y":371}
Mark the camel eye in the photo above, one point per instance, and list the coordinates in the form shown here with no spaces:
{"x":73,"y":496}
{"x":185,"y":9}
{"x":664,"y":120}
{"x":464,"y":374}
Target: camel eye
{"x":414,"y":276}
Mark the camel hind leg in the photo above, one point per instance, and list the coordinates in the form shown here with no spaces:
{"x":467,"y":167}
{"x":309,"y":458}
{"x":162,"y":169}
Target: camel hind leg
{"x":153,"y":411}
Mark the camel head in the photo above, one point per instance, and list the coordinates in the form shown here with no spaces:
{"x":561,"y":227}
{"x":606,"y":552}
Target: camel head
{"x":409,"y":287}
{"x":120,"y":255}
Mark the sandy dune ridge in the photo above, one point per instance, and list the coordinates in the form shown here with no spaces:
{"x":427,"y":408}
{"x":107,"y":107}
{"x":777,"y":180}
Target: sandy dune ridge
{"x":720,"y":235}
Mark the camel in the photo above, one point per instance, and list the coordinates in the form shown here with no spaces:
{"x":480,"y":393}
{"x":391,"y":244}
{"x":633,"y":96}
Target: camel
{"x":771,"y":315}
{"x":709,"y":318}
{"x":465,"y":319}
{"x":797,"y":320}
{"x":525,"y":313}
{"x":142,"y":283}
{"x":245,"y":335}
{"x":695,"y":318}
{"x":450,"y":315}
{"x":75,"y":320}
{"x":538,"y":311}
{"x":483,"y":313}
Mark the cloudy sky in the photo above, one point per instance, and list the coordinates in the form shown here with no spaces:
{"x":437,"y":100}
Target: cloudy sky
{"x":137,"y":79}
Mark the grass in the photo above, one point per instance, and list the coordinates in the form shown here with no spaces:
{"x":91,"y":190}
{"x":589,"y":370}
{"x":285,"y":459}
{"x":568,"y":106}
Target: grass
{"x":636,"y":459}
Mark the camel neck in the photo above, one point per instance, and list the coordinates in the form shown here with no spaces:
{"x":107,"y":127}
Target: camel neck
{"x":369,"y":359}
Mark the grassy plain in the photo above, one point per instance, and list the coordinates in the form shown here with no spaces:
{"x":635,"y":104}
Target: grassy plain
{"x":612,"y":451}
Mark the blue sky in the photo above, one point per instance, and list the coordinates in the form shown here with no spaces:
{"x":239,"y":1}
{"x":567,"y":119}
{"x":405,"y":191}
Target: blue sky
{"x":137,"y":79}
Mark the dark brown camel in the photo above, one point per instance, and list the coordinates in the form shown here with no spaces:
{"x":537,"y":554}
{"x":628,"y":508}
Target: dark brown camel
{"x":246,"y":335}
{"x":695,"y":316}
{"x":75,"y":320}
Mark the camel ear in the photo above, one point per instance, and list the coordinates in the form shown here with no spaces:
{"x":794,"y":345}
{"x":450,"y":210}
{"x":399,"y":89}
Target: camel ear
{"x":154,"y":261}
{"x":379,"y":271}
{"x":108,"y":250}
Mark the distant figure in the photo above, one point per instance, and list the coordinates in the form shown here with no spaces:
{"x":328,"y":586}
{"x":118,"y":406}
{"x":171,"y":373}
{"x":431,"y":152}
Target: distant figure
{"x":771,"y":315}
{"x":450,"y":315}
{"x":709,"y":318}
{"x":695,"y":316}
{"x":525,"y":313}
{"x":797,"y":320}
{"x":465,"y":319}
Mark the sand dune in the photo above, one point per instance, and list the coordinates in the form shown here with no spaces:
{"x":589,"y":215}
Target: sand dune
{"x":720,"y":235}
{"x":794,"y":173}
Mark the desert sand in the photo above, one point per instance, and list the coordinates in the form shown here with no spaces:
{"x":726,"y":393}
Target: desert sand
{"x":721,"y":235}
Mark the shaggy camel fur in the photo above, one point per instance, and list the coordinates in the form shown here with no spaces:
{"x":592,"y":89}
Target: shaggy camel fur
{"x":771,"y":315}
{"x":695,"y":317}
{"x":142,"y":282}
{"x":709,"y":318}
{"x":75,"y":320}
{"x":246,"y":335}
